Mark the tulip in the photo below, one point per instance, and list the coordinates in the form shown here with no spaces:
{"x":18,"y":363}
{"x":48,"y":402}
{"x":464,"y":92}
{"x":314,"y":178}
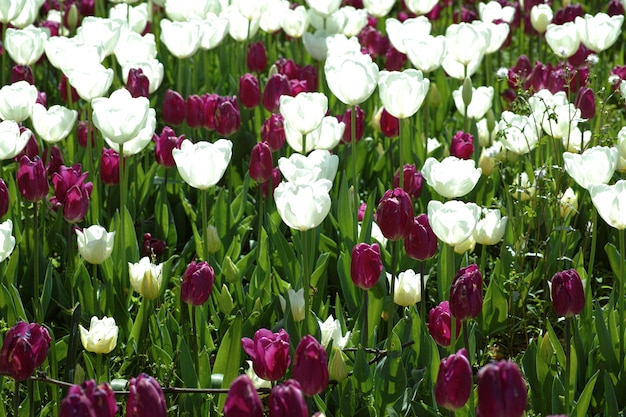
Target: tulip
{"x":568,"y":203}
{"x":138,"y":83}
{"x":91,"y":81}
{"x":227,"y":116}
{"x":462,"y":145}
{"x":520,"y":133}
{"x":453,"y":222}
{"x":466,"y":293}
{"x":4,"y":199}
{"x":25,"y":46}
{"x":165,"y":143}
{"x":261,"y":162}
{"x":17,"y":100}
{"x":197,"y":283}
{"x":303,"y":206}
{"x":249,"y":91}
{"x":326,"y":136}
{"x":213,"y":30}
{"x":421,"y":242}
{"x":599,"y":32}
{"x":454,"y":381}
{"x":452,"y":177}
{"x":301,"y":169}
{"x":413,"y":28}
{"x":145,"y":398}
{"x":501,"y":390}
{"x":274,"y":181}
{"x":394,"y":214}
{"x":120,"y":117}
{"x":182,"y":39}
{"x":173,"y":108}
{"x":23,"y":73}
{"x":366,"y":265}
{"x":150,"y":79}
{"x":389,"y":125}
{"x":394,"y":60}
{"x":563,"y":39}
{"x":586,"y":103}
{"x":71,"y":192}
{"x":304,"y":112}
{"x":152,"y":247}
{"x":256,"y":57}
{"x":10,"y":10}
{"x":95,"y":244}
{"x":137,"y":16}
{"x":202,"y":164}
{"x":407,"y":288}
{"x":25,"y":348}
{"x":540,"y":17}
{"x":490,"y":229}
{"x":420,"y":7}
{"x":351,"y":77}
{"x":12,"y":139}
{"x":54,"y":124}
{"x":100,"y":31}
{"x":567,"y":293}
{"x":139,"y":142}
{"x":31,"y":179}
{"x":101,"y":336}
{"x":89,"y":399}
{"x":194,"y":111}
{"x":440,"y":324}
{"x":413,"y":180}
{"x":287,"y":400}
{"x":331,"y":331}
{"x":109,"y":167}
{"x":273,"y":132}
{"x":595,"y":166}
{"x":310,"y":367}
{"x":524,"y":188}
{"x":359,"y":125}
{"x":296,"y":303}
{"x":295,"y":21}
{"x":426,"y":53}
{"x":480,"y":102}
{"x":209,"y":103}
{"x":146,"y":278}
{"x":466,"y":44}
{"x":242,"y":399}
{"x":608,"y":200}
{"x":277,"y":85}
{"x":393,"y":87}
{"x":269,"y":353}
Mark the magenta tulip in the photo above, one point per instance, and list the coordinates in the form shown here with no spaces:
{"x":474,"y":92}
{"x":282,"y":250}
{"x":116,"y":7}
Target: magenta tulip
{"x":261,"y":162}
{"x":269,"y":353}
{"x":249,"y":91}
{"x":25,"y":348}
{"x":273,"y":132}
{"x":32,"y":180}
{"x":454,"y":381}
{"x":242,"y":399}
{"x":462,"y":145}
{"x":138,"y":83}
{"x":173,"y":108}
{"x":110,"y":167}
{"x":501,"y":390}
{"x":256,"y":57}
{"x":440,"y":324}
{"x":413,"y":180}
{"x":89,"y":399}
{"x":287,"y":400}
{"x":146,"y":398}
{"x":366,"y":265}
{"x":567,"y":293}
{"x":197,"y":283}
{"x":310,"y":366}
{"x":421,"y":242}
{"x":466,"y":293}
{"x":165,"y":143}
{"x":394,"y":214}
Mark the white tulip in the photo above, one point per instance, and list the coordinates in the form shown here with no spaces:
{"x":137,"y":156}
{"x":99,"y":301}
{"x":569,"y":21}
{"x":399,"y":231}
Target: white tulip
{"x":482,"y":99}
{"x":317,"y":165}
{"x":25,"y":46}
{"x":490,"y":228}
{"x":594,"y":166}
{"x":53,"y":124}
{"x":599,"y":32}
{"x":17,"y":101}
{"x":452,"y":177}
{"x":95,"y":244}
{"x":610,"y":201}
{"x":7,"y":240}
{"x":402,"y":93}
{"x":453,"y":222}
{"x":203,"y":164}
{"x":303,"y":206}
{"x":146,"y":278}
{"x":120,"y":117}
{"x":101,"y":336}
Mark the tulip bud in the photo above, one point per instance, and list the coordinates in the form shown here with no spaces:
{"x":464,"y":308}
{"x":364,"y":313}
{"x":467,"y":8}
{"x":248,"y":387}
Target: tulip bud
{"x":466,"y":293}
{"x":337,"y":368}
{"x":71,"y":17}
{"x":32,"y":147}
{"x":308,"y":75}
{"x":273,"y":182}
{"x":110,"y":167}
{"x":32,"y":180}
{"x":310,"y":366}
{"x":273,"y":132}
{"x":434,"y":96}
{"x":586,"y":103}
{"x":249,"y":91}
{"x":462,"y":145}
{"x":413,"y":180}
{"x":269,"y":353}
{"x":287,"y":400}
{"x":440,"y":324}
{"x":4,"y":198}
{"x":210,"y":102}
{"x":194,"y":111}
{"x":277,"y":85}
{"x":467,"y":91}
{"x":63,"y":89}
{"x":394,"y":59}
{"x":287,"y":67}
{"x":173,"y":108}
{"x":76,"y":202}
{"x":568,"y":203}
{"x":145,"y":398}
{"x":95,"y":244}
{"x":261,"y":162}
{"x":256,"y":57}
{"x":454,"y":381}
{"x":213,"y":239}
{"x":501,"y":390}
{"x":567,"y":293}
{"x":242,"y":399}
{"x":296,"y":303}
{"x":616,"y":8}
{"x":197,"y":283}
{"x":146,"y":278}
{"x":138,"y":83}
{"x":25,"y":348}
{"x":394,"y":214}
{"x":22,"y":73}
{"x":231,"y":272}
{"x":359,"y":125}
{"x":89,"y":399}
{"x":366,"y":265}
{"x":227,"y":116}
{"x":225,"y":303}
{"x":165,"y":143}
{"x":389,"y":125}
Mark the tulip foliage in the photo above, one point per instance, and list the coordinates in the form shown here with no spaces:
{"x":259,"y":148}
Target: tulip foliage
{"x":316,"y":207}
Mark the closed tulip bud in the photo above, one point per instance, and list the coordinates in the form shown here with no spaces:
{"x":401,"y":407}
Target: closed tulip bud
{"x":394,"y":214}
{"x":83,"y":130}
{"x":214,"y":242}
{"x":466,"y":293}
{"x":440,"y":324}
{"x":454,"y":381}
{"x":165,"y":143}
{"x":72,"y":192}
{"x":586,"y":103}
{"x":173,"y":108}
{"x":337,"y":368}
{"x":366,"y":265}
{"x":273,"y":182}
{"x":359,"y":125}
{"x":287,"y":400}
{"x":32,"y":180}
{"x":277,"y":85}
{"x":197,"y":283}
{"x":568,"y":203}
{"x":394,"y":59}
{"x":54,"y":160}
{"x":249,"y":91}
{"x":225,"y":303}
{"x":567,"y":293}
{"x":76,"y":202}
{"x":269,"y":353}
{"x":63,"y":89}
{"x":421,"y":242}
{"x":273,"y":132}
{"x":389,"y":125}
{"x":261,"y":162}
{"x":413,"y":180}
{"x":194,"y":111}
{"x":287,"y":67}
{"x":110,"y":167}
{"x":22,"y":73}
{"x":501,"y":390}
{"x":89,"y":399}
{"x":308,"y":74}
{"x":467,"y":91}
{"x":310,"y":366}
{"x":101,"y":336}
{"x":462,"y":145}
{"x":138,"y":83}
{"x":25,"y":348}
{"x":231,"y":272}
{"x":152,"y":247}
{"x":242,"y":399}
{"x":616,"y":8}
{"x":4,"y":198}
{"x":256,"y":57}
{"x":298,"y":86}
{"x":145,"y":398}
{"x":227,"y":116}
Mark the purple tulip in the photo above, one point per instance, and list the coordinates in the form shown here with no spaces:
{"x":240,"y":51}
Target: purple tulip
{"x":4,"y":198}
{"x":242,"y":399}
{"x":359,"y":118}
{"x":22,"y":73}
{"x":249,"y":91}
{"x":89,"y":399}
{"x":197,"y":283}
{"x":273,"y":132}
{"x":421,"y":242}
{"x":287,"y":400}
{"x":466,"y":293}
{"x":389,"y":125}
{"x":138,"y":84}
{"x":173,"y":108}
{"x":110,"y":167}
{"x":146,"y":398}
{"x":269,"y":353}
{"x":462,"y":145}
{"x":501,"y":390}
{"x":277,"y":85}
{"x":310,"y":366}
{"x":194,"y":111}
{"x":440,"y":324}
{"x":25,"y":348}
{"x":366,"y":265}
{"x":413,"y":180}
{"x":261,"y":162}
{"x":567,"y":293}
{"x":394,"y":214}
{"x":256,"y":57}
{"x":454,"y":381}
{"x":165,"y":143}
{"x":227,"y":116}
{"x":32,"y":180}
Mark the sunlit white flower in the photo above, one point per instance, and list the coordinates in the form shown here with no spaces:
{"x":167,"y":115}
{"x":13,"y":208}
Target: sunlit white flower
{"x":426,"y":53}
{"x":482,"y":99}
{"x":296,"y":302}
{"x":303,"y":206}
{"x":466,"y":42}
{"x":407,"y":288}
{"x":490,"y":228}
{"x":378,"y":8}
{"x":101,"y":336}
{"x":7,"y":240}
{"x":136,"y":18}
{"x":295,"y":22}
{"x":540,"y":17}
{"x":564,"y":39}
{"x":452,"y":177}
{"x":133,"y":47}
{"x":97,"y":30}
{"x":203,"y":164}
{"x":493,"y":11}
{"x":568,"y":203}
{"x":519,"y":133}
{"x":25,"y":46}
{"x":301,"y":169}
{"x":213,"y":30}
{"x":272,"y":15}
{"x":53,"y":124}
{"x":523,"y":188}
{"x":594,"y":166}
{"x":351,"y":77}
{"x":414,"y":28}
{"x":331,"y":330}
{"x":95,"y":244}
{"x":453,"y":222}
{"x":90,"y":81}
{"x":139,"y":142}
{"x":17,"y":101}
{"x":420,"y":7}
{"x":610,"y":201}
{"x":146,"y":278}
{"x":402,"y":93}
{"x":599,"y":32}
{"x":12,"y":141}
{"x":182,"y":39}
{"x":152,"y":69}
{"x":120,"y":117}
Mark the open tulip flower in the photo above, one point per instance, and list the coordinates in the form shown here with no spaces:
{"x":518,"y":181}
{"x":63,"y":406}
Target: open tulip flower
{"x":303,"y":206}
{"x":95,"y":244}
{"x":17,"y":101}
{"x":402,"y":93}
{"x":610,"y":201}
{"x":101,"y":336}
{"x":454,"y":221}
{"x":203,"y":164}
{"x":120,"y":117}
{"x":594,"y":166}
{"x":352,"y":77}
{"x":53,"y":124}
{"x":452,"y":177}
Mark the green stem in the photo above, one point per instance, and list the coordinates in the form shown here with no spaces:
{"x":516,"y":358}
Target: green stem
{"x":594,"y":239}
{"x":205,"y":226}
{"x":620,"y":282}
{"x":364,"y":332}
{"x":37,"y":277}
{"x":423,"y":293}
{"x":392,"y":286}
{"x":194,"y":335}
{"x":306,"y":277}
{"x":96,"y":290}
{"x":123,"y":192}
{"x":568,"y":364}
{"x":89,"y":144}
{"x":355,"y":176}
{"x":471,"y":360}
{"x":401,"y":130}
{"x":31,"y":398}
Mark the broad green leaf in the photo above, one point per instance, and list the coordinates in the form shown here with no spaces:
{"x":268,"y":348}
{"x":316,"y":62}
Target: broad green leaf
{"x":187,"y":368}
{"x":228,"y":357}
{"x":582,"y":405}
{"x":390,"y":376}
{"x":610,"y":400}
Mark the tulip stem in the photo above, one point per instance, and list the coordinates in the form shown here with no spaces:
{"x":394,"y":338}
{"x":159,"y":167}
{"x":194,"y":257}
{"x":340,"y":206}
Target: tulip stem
{"x":306,"y":277}
{"x":89,"y":144}
{"x":392,"y":285}
{"x":423,"y":296}
{"x":16,"y":395}
{"x":205,"y":226}
{"x":567,"y":364}
{"x":470,"y":357}
{"x":620,"y":282}
{"x":194,"y":335}
{"x":401,"y":129}
{"x":121,"y":226}
{"x":594,"y":238}
{"x":96,"y":298}
{"x":37,"y":278}
{"x":364,"y":332}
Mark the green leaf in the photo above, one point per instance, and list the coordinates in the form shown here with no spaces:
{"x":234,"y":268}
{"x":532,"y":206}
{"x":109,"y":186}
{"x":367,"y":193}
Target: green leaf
{"x":187,"y":368}
{"x":390,"y":376}
{"x":610,"y":404}
{"x":582,"y":405}
{"x":556,"y":345}
{"x":362,"y":372}
{"x":228,"y":357}
{"x":493,"y":317}
{"x":604,"y":339}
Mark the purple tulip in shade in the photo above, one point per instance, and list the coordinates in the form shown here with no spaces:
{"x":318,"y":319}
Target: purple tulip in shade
{"x":210,"y":102}
{"x":454,"y":381}
{"x":32,"y":180}
{"x":71,"y":192}
{"x":197,"y":283}
{"x":146,"y":398}
{"x":310,"y":366}
{"x":4,"y":198}
{"x":173,"y":108}
{"x":394,"y":214}
{"x":110,"y":167}
{"x":227,"y":116}
{"x":440,"y":324}
{"x":63,"y":90}
{"x":586,"y":103}
{"x":256,"y":57}
{"x":273,"y":182}
{"x":389,"y":125}
{"x":89,"y":400}
{"x":501,"y":390}
{"x":25,"y":348}
{"x":194,"y":111}
{"x":165,"y":143}
{"x":22,"y":73}
{"x":273,"y":132}
{"x":82,"y":134}
{"x":413,"y":180}
{"x":421,"y":242}
{"x":261,"y":162}
{"x":242,"y":399}
{"x":366,"y":265}
{"x":269,"y":353}
{"x":462,"y":145}
{"x":276,"y":86}
{"x":287,"y":400}
{"x":359,"y":117}
{"x":466,"y":293}
{"x":249,"y":91}
{"x":567,"y":293}
{"x":138,"y":83}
